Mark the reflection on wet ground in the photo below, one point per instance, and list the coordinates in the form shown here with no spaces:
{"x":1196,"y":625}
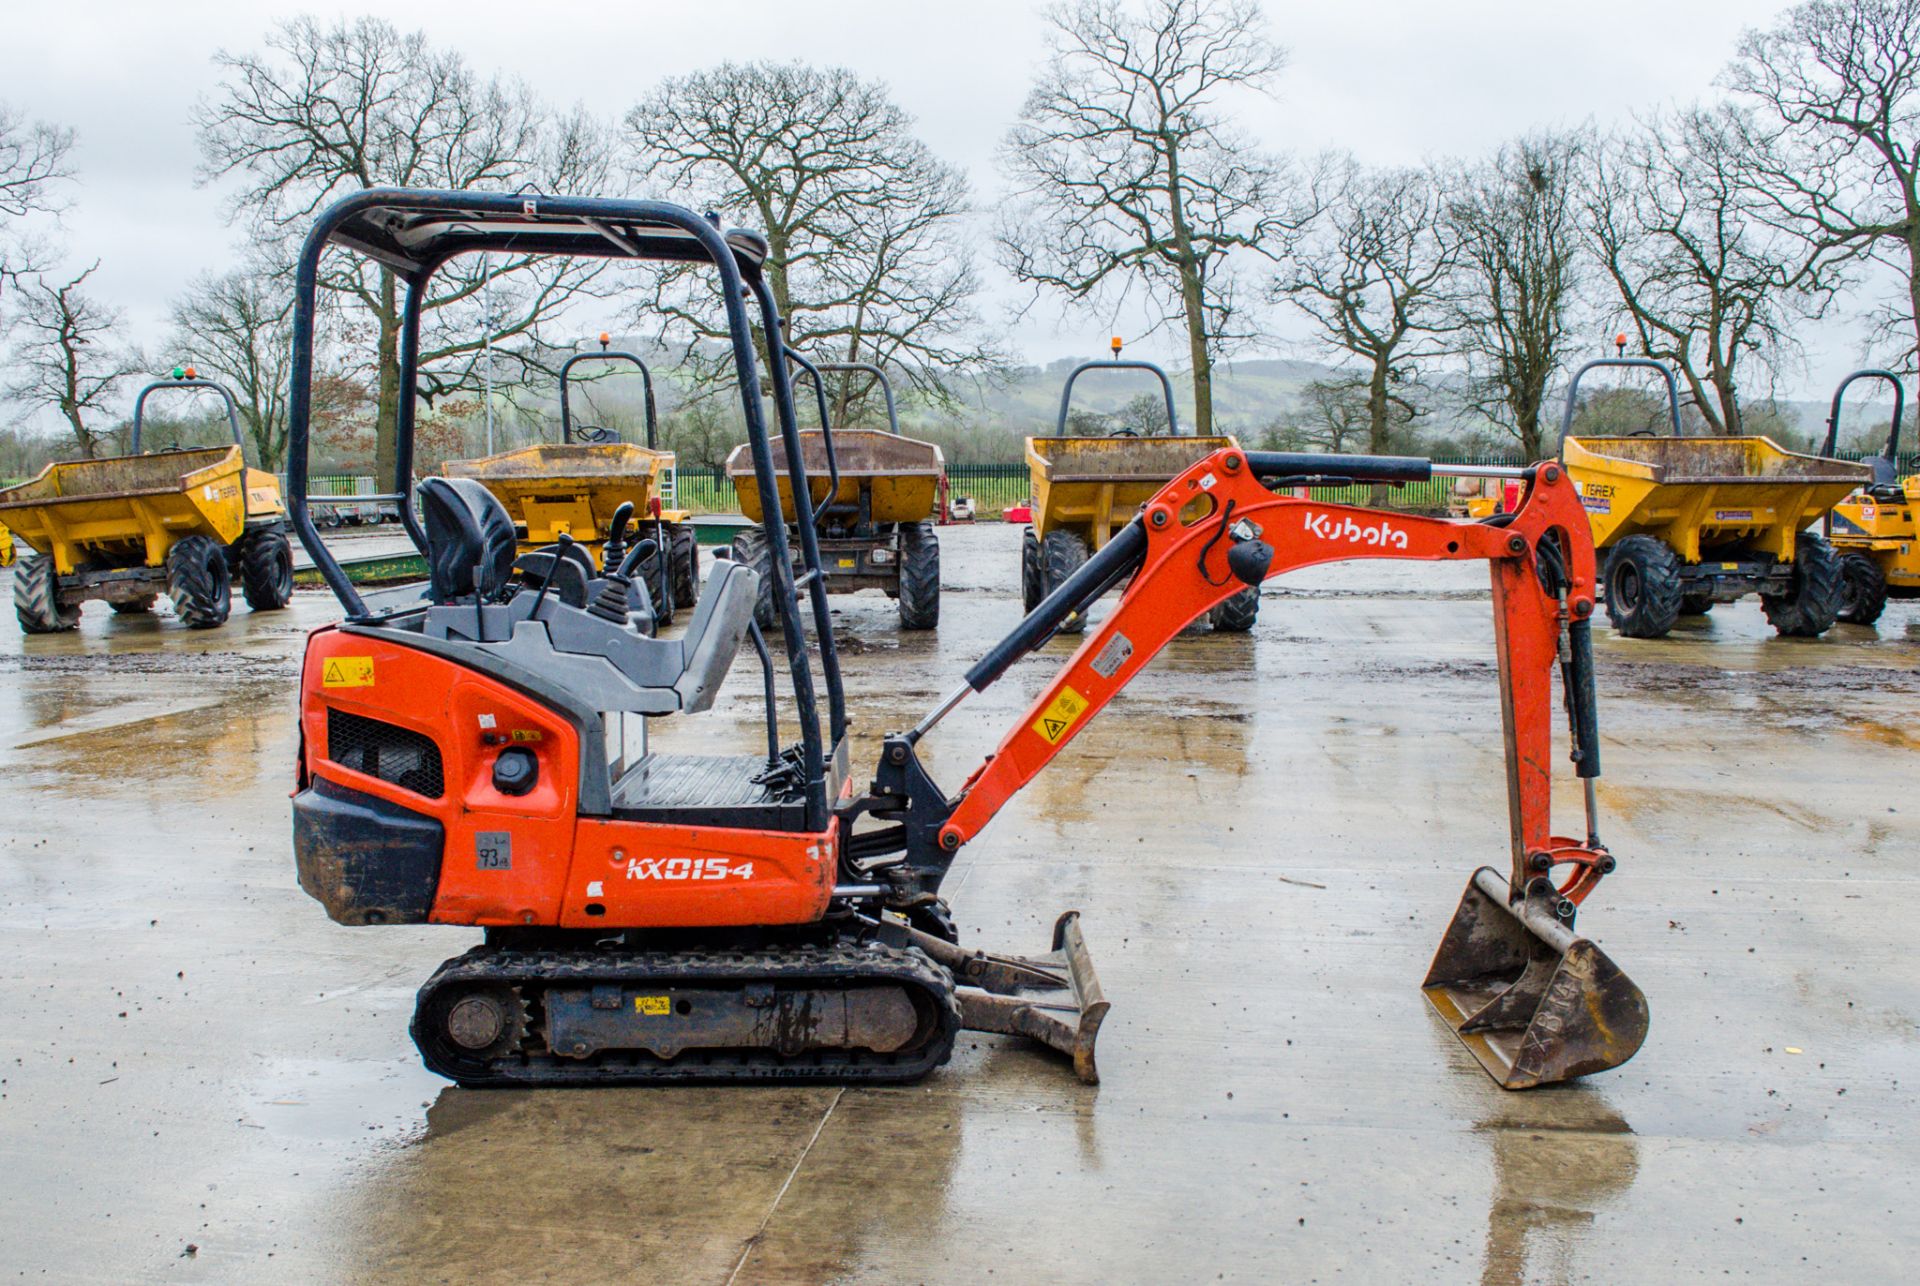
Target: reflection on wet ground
{"x":1266,"y":835}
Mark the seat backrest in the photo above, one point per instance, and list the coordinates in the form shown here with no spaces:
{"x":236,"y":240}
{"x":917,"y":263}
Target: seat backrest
{"x":714,"y":634}
{"x":470,"y":539}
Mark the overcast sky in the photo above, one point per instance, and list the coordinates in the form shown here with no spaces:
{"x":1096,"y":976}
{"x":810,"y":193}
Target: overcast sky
{"x":1395,"y":81}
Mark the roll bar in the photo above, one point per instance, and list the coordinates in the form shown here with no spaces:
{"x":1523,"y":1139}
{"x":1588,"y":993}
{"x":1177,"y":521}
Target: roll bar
{"x":414,"y":232}
{"x":1892,"y":450}
{"x":1115,"y":363}
{"x":233,"y":408}
{"x":606,"y":354}
{"x":826,"y":426}
{"x":1644,"y":363}
{"x":866,"y":368}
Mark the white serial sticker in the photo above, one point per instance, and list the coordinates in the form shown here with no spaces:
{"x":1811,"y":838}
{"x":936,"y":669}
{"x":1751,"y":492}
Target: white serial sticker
{"x":1113,"y":656}
{"x":1208,"y":481}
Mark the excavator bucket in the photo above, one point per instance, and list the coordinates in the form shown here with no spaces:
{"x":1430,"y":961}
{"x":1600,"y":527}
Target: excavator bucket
{"x":1535,"y":1002}
{"x":1055,"y":999}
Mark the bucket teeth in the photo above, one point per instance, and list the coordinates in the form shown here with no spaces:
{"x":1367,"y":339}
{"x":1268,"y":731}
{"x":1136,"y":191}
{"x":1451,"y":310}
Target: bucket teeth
{"x":1055,"y":999}
{"x":1533,"y":1001}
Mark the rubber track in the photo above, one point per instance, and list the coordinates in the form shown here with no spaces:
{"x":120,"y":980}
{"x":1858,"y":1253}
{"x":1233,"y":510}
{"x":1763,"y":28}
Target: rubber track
{"x":530,"y":972}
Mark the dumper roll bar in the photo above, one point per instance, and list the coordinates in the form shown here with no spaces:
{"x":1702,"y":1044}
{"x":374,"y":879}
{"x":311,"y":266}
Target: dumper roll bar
{"x":1892,"y":449}
{"x":864,"y":368}
{"x":606,"y":354}
{"x":1116,"y":363}
{"x":233,"y":408}
{"x":1643,"y":363}
{"x":413,"y":232}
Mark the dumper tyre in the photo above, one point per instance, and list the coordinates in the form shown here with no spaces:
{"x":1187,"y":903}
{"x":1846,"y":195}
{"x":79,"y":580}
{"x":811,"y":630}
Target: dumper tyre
{"x":1643,"y":587}
{"x":1237,"y":614}
{"x":685,"y":552}
{"x":36,"y":597}
{"x":198,"y":582}
{"x":1696,"y":604}
{"x":266,"y":571}
{"x":1062,"y":553}
{"x":134,"y":606}
{"x":1863,"y":590}
{"x":751,"y":549}
{"x":919,"y":576}
{"x":1807,"y":610}
{"x":1031,"y":588}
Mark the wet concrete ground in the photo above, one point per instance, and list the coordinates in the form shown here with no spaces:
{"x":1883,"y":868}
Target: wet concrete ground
{"x":1266,"y":834}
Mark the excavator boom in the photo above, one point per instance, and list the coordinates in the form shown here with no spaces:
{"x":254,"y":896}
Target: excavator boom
{"x":1220,"y":526}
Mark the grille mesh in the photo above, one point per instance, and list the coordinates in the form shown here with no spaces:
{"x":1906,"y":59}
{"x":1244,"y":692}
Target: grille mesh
{"x":398,"y":756}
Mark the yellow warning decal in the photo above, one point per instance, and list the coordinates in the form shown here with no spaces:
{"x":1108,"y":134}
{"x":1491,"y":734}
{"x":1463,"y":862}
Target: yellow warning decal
{"x":653,"y":1006}
{"x":528,"y":734}
{"x":1060,"y":715}
{"x":347,"y":672}
{"x":849,"y":562}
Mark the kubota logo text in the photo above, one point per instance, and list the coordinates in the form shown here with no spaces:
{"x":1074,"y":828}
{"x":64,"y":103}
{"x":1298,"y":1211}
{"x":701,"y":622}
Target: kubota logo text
{"x":1339,"y":527}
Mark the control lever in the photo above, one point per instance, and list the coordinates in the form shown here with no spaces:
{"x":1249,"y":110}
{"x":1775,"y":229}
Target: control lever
{"x":611,"y":603}
{"x":546,"y":582}
{"x":616,"y":546}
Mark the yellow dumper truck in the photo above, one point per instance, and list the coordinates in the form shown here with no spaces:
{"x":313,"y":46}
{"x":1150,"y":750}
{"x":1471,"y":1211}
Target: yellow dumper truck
{"x":1873,"y":528}
{"x":1086,"y":488}
{"x":127,"y":529}
{"x":575,"y":488}
{"x":1683,"y":523}
{"x":873,"y":496}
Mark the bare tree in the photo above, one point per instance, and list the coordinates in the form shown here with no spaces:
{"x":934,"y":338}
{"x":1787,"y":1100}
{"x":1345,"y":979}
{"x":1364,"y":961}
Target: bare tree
{"x":1835,"y":87}
{"x":1125,"y":170}
{"x":1334,"y":414}
{"x":34,"y":167}
{"x":1372,"y":276}
{"x":327,"y":110}
{"x":1516,"y":221}
{"x":64,"y":356}
{"x":1707,"y":286}
{"x":237,"y":327}
{"x":867,"y":255}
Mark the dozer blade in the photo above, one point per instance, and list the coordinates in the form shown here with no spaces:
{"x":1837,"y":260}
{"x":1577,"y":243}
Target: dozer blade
{"x":1055,"y":999}
{"x":1535,"y":1002}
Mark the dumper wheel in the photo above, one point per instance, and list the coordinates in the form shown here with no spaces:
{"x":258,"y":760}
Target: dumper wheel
{"x":266,"y":571}
{"x":36,"y":597}
{"x":1643,"y":587}
{"x":1237,"y":614}
{"x":1863,"y":590}
{"x":1807,"y":609}
{"x":1061,"y":555}
{"x":685,"y":552}
{"x":919,"y":576}
{"x":750,"y":549}
{"x":198,"y":583}
{"x":1696,"y":604}
{"x":134,"y":606}
{"x":1032,"y":590}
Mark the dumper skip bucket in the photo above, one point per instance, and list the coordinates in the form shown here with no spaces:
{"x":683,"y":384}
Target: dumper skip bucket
{"x":1535,"y":1002}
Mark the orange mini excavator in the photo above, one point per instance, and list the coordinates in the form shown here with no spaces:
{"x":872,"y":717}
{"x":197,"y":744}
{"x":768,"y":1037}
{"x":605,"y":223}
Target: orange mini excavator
{"x":475,"y":753}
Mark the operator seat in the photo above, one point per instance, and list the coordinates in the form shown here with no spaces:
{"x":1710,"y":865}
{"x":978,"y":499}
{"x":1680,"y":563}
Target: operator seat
{"x":470,"y":540}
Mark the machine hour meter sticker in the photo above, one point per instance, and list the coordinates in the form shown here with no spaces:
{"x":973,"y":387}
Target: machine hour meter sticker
{"x":653,"y":1006}
{"x":1113,"y":656}
{"x":1060,"y":715}
{"x":347,"y":672}
{"x":493,"y":851}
